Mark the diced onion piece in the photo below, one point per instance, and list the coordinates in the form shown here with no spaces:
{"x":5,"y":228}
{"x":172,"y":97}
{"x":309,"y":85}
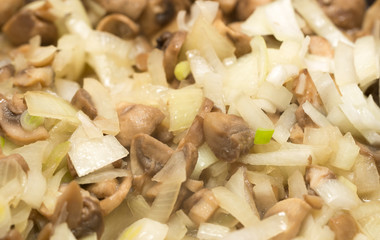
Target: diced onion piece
{"x":259,"y":49}
{"x":213,"y":90}
{"x":29,"y":122}
{"x":209,"y":231}
{"x":73,"y":8}
{"x":284,"y":124}
{"x":265,"y":105}
{"x":49,"y":106}
{"x":66,"y":89}
{"x":252,"y":114}
{"x":284,"y":157}
{"x":138,"y":206}
{"x":156,"y":67}
{"x":319,"y":63}
{"x":55,"y":157}
{"x":163,"y":204}
{"x":208,"y":9}
{"x":366,"y":60}
{"x":368,"y":217}
{"x":62,"y":232}
{"x":317,"y":117}
{"x":296,"y":185}
{"x":263,"y":230}
{"x":318,"y":21}
{"x":107,"y":119}
{"x":174,"y":169}
{"x":102,"y":175}
{"x":276,"y":18}
{"x":52,"y":193}
{"x":344,"y":65}
{"x":235,"y":205}
{"x":280,"y":96}
{"x":199,"y":66}
{"x":263,"y":136}
{"x":337,"y":195}
{"x":281,"y":73}
{"x":327,"y":89}
{"x":5,"y":218}
{"x":184,"y":104}
{"x":145,"y":229}
{"x":206,"y":157}
{"x":177,"y":228}
{"x":366,"y":176}
{"x":182,"y":70}
{"x":346,"y":153}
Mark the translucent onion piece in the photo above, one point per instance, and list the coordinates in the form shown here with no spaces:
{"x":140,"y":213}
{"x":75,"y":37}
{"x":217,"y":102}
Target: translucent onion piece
{"x":174,"y":169}
{"x":296,"y":185}
{"x":156,"y":67}
{"x":366,"y":60}
{"x":205,"y":158}
{"x":145,"y":229}
{"x":102,"y":175}
{"x":344,"y":65}
{"x":12,"y":179}
{"x":284,"y":157}
{"x":66,"y":89}
{"x":284,"y":124}
{"x":209,"y":231}
{"x":280,"y":96}
{"x":5,"y":217}
{"x":62,"y":232}
{"x":317,"y":117}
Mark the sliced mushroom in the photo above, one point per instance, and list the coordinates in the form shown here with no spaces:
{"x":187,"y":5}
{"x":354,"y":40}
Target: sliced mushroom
{"x":119,"y":25}
{"x":108,"y":204}
{"x":30,"y":77}
{"x":83,"y":101}
{"x":103,"y":189}
{"x":371,"y":17}
{"x":79,"y":210}
{"x":201,"y":205}
{"x":25,"y":24}
{"x":11,"y":127}
{"x":17,"y":105}
{"x":150,"y":153}
{"x":12,"y":234}
{"x":321,"y":47}
{"x":317,"y":174}
{"x":172,"y":47}
{"x":296,"y":210}
{"x":228,"y":136}
{"x":16,"y":158}
{"x":8,"y":8}
{"x":344,"y":227}
{"x":163,"y":134}
{"x":137,"y":118}
{"x":344,"y":14}
{"x":245,"y":8}
{"x":240,"y":40}
{"x":371,"y":152}
{"x":130,"y":8}
{"x":6,"y":72}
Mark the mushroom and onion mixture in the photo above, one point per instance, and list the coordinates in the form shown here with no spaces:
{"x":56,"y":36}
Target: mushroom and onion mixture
{"x":183,"y":119}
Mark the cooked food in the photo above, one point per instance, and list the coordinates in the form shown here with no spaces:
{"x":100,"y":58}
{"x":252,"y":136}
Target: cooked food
{"x":184,"y":119}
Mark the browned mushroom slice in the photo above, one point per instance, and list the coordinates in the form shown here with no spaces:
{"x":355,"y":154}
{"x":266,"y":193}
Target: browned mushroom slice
{"x":11,"y":127}
{"x":201,"y":205}
{"x":6,"y":72}
{"x":191,"y":157}
{"x":317,"y":174}
{"x":163,"y":134}
{"x":240,"y":40}
{"x":296,"y":210}
{"x":8,"y":8}
{"x":12,"y":234}
{"x":17,"y":105}
{"x":103,"y":189}
{"x":245,"y":8}
{"x":33,"y":76}
{"x":83,"y":101}
{"x":137,"y":118}
{"x":108,"y":204}
{"x":130,"y":8}
{"x":228,"y":136}
{"x":344,"y":227}
{"x":172,"y":47}
{"x":320,"y":46}
{"x":150,"y":153}
{"x":25,"y":24}
{"x":79,"y":210}
{"x":344,"y":14}
{"x":119,"y":25}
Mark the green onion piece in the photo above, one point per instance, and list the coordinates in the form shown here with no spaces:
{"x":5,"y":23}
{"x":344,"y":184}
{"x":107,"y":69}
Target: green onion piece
{"x":2,"y":142}
{"x":55,"y":157}
{"x":182,"y":70}
{"x":29,"y":122}
{"x":263,"y":136}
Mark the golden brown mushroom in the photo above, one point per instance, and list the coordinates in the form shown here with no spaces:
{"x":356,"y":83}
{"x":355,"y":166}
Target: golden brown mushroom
{"x":344,"y":227}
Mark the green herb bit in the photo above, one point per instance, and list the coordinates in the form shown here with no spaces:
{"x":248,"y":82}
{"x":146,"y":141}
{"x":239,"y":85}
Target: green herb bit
{"x":182,"y":70}
{"x":263,"y":136}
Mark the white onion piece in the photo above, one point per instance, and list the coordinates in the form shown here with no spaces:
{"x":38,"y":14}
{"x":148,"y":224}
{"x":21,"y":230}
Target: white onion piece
{"x":265,"y":105}
{"x":206,"y":157}
{"x":107,"y":119}
{"x":233,"y":204}
{"x":62,"y":232}
{"x":366,"y":60}
{"x":50,"y":106}
{"x":5,"y":217}
{"x":319,"y":22}
{"x":208,"y":9}
{"x":174,"y":169}
{"x":283,"y":157}
{"x":51,"y":194}
{"x":102,"y":175}
{"x":284,"y":124}
{"x":209,"y":231}
{"x":263,"y":230}
{"x":282,"y":73}
{"x":66,"y":89}
{"x":213,"y":90}
{"x":317,"y":117}
{"x":257,"y":24}
{"x":296,"y":185}
{"x":278,"y":95}
{"x":319,"y":63}
{"x":344,"y":65}
{"x":156,"y":67}
{"x":337,"y":195}
{"x":145,"y":229}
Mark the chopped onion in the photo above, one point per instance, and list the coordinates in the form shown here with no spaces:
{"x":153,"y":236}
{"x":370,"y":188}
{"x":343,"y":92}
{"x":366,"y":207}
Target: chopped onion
{"x":319,"y":22}
{"x":366,"y":176}
{"x":317,"y":117}
{"x":346,"y":153}
{"x":206,"y":157}
{"x":281,"y":73}
{"x":156,"y":67}
{"x":52,"y":162}
{"x":263,"y":230}
{"x":138,"y":206}
{"x":366,"y":60}
{"x":284,"y":124}
{"x":46,"y":105}
{"x":52,"y":194}
{"x":5,"y":218}
{"x":344,"y":65}
{"x":102,"y":175}
{"x":368,"y":217}
{"x":209,"y":231}
{"x":280,"y":96}
{"x":284,"y":157}
{"x":62,"y":232}
{"x":296,"y":185}
{"x":145,"y":229}
{"x":177,"y":228}
{"x":66,"y":89}
{"x":233,"y":204}
{"x":107,"y":119}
